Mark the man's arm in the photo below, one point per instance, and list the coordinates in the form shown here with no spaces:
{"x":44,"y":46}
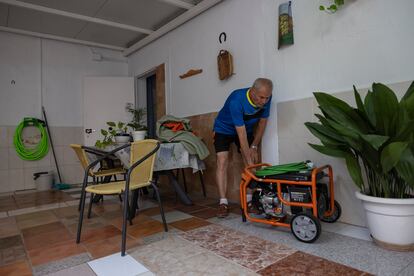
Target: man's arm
{"x":244,"y":144}
{"x":261,"y":126}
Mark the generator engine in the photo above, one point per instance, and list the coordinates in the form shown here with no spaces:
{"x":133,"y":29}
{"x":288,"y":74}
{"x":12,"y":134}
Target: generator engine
{"x":265,"y":200}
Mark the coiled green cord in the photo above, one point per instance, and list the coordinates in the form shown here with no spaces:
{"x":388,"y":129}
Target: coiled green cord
{"x":31,"y":154}
{"x":285,"y":168}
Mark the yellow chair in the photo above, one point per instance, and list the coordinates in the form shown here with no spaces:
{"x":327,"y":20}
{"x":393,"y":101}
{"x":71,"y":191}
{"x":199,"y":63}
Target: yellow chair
{"x":139,"y":175}
{"x":96,"y":175}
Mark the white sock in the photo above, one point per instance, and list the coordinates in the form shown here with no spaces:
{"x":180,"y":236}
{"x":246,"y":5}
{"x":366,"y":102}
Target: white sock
{"x":224,"y":201}
{"x":249,"y":197}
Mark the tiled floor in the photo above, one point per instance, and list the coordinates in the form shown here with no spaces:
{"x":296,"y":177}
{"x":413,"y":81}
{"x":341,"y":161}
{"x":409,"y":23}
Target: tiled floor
{"x":40,"y":240}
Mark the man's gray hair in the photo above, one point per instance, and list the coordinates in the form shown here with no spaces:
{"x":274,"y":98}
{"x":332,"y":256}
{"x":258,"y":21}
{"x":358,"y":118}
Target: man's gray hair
{"x":260,"y":82}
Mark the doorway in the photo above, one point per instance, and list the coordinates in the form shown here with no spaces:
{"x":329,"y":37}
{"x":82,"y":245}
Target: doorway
{"x":150,"y":94}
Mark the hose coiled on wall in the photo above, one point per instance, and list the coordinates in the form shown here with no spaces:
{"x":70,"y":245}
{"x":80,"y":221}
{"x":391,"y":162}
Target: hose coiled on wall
{"x":31,"y":154}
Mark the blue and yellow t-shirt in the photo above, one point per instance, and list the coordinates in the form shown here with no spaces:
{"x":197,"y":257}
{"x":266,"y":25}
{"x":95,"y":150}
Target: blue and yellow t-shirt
{"x":239,"y":110}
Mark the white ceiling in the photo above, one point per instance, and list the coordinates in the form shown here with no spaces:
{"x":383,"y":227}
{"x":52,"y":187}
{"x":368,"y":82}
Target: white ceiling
{"x":76,"y":19}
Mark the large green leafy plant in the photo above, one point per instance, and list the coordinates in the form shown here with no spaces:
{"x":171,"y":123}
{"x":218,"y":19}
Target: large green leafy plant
{"x":377,"y":135}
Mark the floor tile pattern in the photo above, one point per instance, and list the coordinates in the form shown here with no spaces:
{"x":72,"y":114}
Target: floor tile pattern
{"x":248,"y":251}
{"x":301,"y":263}
{"x":38,"y":237}
{"x":11,"y":250}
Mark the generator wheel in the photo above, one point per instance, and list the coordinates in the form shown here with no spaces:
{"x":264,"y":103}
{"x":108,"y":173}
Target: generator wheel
{"x":336,"y":214}
{"x":305,"y":227}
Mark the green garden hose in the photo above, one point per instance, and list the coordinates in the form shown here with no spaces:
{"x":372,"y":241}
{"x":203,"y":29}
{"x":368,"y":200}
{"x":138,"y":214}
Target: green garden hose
{"x":41,"y":149}
{"x":285,"y":168}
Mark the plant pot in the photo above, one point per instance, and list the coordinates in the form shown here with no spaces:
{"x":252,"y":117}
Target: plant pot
{"x":390,"y":221}
{"x":139,"y":135}
{"x":122,"y":139}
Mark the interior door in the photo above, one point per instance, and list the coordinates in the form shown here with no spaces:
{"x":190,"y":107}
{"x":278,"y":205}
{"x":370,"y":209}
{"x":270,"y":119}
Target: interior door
{"x":105,"y":99}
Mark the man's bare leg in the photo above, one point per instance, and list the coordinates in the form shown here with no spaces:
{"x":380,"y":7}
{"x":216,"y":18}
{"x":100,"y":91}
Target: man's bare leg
{"x":221,"y":179}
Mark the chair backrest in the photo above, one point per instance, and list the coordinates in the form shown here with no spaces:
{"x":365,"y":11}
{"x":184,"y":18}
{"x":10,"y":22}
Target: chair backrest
{"x":143,"y":172}
{"x":83,"y":158}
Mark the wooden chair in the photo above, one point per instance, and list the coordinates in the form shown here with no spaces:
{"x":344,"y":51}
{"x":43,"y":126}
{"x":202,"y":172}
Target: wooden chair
{"x":139,"y":175}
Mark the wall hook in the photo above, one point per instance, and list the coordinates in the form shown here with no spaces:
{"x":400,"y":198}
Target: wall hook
{"x":224,"y":36}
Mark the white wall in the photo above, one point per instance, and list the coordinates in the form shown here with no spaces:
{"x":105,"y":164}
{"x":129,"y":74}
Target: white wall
{"x":366,"y":41}
{"x":64,"y":67}
{"x":51,"y":73}
{"x":19,"y":62}
{"x":48,"y":70}
{"x":195,"y":45}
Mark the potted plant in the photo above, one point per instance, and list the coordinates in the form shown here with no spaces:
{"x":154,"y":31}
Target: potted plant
{"x":378,"y":136}
{"x":119,"y":131}
{"x":116,"y":133}
{"x":137,"y":122}
{"x":108,"y":139}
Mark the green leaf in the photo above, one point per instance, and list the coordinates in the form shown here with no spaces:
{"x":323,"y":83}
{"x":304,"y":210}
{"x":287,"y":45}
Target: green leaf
{"x":331,"y":151}
{"x":112,"y":124}
{"x":340,"y":111}
{"x":391,"y":155}
{"x":360,"y":104}
{"x":339,"y":2}
{"x":376,"y":141}
{"x":385,"y":107}
{"x":104,"y":132}
{"x":332,"y":7}
{"x":354,"y":170}
{"x":369,"y":108}
{"x":321,"y":8}
{"x":342,"y":130}
{"x":409,"y":92}
{"x":326,"y":135}
{"x":405,"y":167}
{"x":407,"y":103}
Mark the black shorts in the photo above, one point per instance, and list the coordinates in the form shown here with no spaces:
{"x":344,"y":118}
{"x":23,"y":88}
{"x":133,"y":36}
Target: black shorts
{"x":222,"y":141}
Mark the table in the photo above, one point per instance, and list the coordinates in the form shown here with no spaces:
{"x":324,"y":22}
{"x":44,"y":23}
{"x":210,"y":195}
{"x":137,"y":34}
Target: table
{"x":170,"y":156}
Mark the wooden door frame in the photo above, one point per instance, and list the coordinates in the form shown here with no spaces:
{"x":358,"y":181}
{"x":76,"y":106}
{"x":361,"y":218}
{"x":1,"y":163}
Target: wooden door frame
{"x":160,"y":93}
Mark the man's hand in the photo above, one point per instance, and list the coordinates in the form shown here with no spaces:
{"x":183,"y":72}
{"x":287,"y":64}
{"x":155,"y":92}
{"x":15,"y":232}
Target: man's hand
{"x":254,"y":154}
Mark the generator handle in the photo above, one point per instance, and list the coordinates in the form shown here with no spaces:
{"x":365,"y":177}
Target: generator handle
{"x":247,"y":170}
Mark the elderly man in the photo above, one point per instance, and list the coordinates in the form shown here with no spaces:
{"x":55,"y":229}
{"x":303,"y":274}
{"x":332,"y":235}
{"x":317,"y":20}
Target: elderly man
{"x":243,"y":110}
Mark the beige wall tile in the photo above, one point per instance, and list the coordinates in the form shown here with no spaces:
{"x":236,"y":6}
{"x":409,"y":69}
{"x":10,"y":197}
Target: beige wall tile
{"x":3,"y":137}
{"x":10,"y":135}
{"x":58,"y":135}
{"x":28,"y":178}
{"x":4,"y":159}
{"x":291,"y":118}
{"x":69,"y":156}
{"x":15,"y":162}
{"x":29,"y":164}
{"x":45,"y":161}
{"x":16,"y":179}
{"x":4,"y":181}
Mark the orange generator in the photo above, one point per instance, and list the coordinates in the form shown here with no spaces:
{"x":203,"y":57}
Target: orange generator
{"x":293,"y":199}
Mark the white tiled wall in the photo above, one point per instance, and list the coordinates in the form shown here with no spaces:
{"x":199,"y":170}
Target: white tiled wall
{"x":293,"y":146}
{"x":17,"y":174}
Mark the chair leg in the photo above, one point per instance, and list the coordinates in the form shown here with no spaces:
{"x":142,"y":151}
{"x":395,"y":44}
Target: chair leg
{"x":202,"y":183}
{"x":82,"y":209}
{"x":184,"y":181}
{"x":90,"y":205}
{"x":160,"y":204}
{"x":156,"y":176}
{"x":129,"y":215}
{"x":120,"y":197}
{"x":124,"y":223}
